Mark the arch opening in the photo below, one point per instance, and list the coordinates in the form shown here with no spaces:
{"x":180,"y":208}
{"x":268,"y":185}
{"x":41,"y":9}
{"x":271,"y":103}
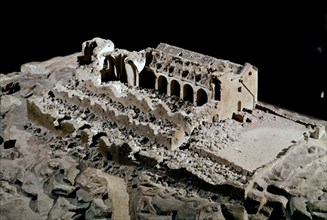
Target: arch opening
{"x":239,"y":106}
{"x":201,"y":97}
{"x":147,"y":79}
{"x":188,"y":93}
{"x":175,"y":88}
{"x":217,"y":91}
{"x":108,"y":72}
{"x":162,"y":84}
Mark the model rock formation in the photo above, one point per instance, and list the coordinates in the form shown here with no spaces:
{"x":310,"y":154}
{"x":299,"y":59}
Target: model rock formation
{"x":162,"y":133}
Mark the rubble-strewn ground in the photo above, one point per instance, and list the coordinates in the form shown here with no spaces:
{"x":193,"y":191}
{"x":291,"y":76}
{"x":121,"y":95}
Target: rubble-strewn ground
{"x":66,"y":160}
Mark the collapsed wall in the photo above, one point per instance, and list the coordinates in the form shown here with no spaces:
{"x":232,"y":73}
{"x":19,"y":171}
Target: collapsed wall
{"x":152,"y":118}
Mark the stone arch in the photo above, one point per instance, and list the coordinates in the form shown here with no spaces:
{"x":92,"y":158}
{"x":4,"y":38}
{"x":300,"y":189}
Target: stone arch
{"x":130,"y":73}
{"x":175,"y":88}
{"x":201,"y":97}
{"x":188,"y":93}
{"x":162,"y":84}
{"x":147,"y":78}
{"x":217,"y":85}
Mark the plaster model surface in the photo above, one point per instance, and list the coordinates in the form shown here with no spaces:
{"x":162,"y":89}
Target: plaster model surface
{"x":162,"y":133}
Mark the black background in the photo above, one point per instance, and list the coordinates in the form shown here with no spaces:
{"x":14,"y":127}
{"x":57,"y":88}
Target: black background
{"x":287,"y":43}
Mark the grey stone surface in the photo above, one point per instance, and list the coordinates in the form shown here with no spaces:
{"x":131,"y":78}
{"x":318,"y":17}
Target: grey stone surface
{"x":74,"y":147}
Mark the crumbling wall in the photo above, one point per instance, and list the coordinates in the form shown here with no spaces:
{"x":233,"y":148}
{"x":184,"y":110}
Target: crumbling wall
{"x":249,"y":86}
{"x":122,"y":111}
{"x":94,"y":51}
{"x":160,"y":110}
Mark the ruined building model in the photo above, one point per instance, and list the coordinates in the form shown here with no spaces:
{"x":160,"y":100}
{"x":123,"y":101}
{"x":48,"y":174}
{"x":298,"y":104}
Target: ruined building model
{"x":193,"y":77}
{"x":220,"y":87}
{"x":162,"y":133}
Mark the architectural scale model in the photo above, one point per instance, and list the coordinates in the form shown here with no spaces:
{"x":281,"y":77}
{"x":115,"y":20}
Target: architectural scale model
{"x":162,"y":133}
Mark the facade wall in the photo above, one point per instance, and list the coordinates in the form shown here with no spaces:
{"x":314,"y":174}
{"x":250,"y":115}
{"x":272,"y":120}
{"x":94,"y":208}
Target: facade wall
{"x":170,"y":85}
{"x":237,"y":93}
